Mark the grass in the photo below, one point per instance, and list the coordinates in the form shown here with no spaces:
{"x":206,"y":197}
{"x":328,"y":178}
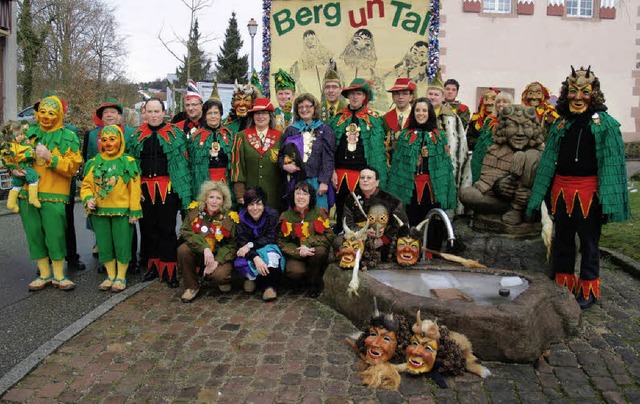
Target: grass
{"x":625,"y":237}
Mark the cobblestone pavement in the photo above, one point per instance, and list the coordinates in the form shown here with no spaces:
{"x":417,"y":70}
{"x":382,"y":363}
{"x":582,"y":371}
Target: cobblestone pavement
{"x":233,"y":348}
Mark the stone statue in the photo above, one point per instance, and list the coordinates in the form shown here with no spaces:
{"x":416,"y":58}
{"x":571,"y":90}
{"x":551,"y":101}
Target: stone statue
{"x":509,"y":167}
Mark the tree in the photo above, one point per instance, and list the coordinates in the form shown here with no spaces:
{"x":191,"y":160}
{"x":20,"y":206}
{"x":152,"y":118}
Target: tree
{"x":195,"y":65}
{"x":30,"y":40}
{"x":229,"y":65}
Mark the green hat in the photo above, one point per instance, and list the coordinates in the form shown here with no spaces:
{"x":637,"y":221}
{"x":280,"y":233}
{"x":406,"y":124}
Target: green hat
{"x":284,"y":81}
{"x":332,"y":74}
{"x":437,"y":82}
{"x":255,"y":81}
{"x":109,"y":103}
{"x":359,"y":84}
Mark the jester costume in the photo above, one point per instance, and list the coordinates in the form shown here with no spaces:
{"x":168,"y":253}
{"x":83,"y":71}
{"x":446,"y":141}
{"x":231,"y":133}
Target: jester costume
{"x":582,"y":173}
{"x":166,"y":189}
{"x":214,"y":230}
{"x":210,"y":155}
{"x":45,"y":227}
{"x":310,"y":228}
{"x":485,"y":109}
{"x":536,"y":95}
{"x":19,"y":155}
{"x":112,"y":180}
{"x":360,"y":139}
{"x":461,"y":110}
{"x":284,"y":112}
{"x":421,"y":174}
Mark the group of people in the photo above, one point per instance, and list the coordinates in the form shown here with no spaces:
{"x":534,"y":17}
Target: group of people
{"x":255,"y":189}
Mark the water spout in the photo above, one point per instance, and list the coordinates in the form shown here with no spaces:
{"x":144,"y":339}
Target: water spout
{"x":447,"y":222}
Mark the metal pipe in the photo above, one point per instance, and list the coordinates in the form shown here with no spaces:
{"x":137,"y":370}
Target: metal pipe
{"x":447,"y":223}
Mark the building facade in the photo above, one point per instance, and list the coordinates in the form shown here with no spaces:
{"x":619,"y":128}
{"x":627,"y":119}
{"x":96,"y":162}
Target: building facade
{"x":8,"y":60}
{"x":510,"y":43}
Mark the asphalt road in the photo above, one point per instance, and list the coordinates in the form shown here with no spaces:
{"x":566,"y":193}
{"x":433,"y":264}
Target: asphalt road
{"x":29,"y":319}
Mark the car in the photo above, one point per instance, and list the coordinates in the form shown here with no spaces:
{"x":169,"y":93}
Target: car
{"x":27,"y":114}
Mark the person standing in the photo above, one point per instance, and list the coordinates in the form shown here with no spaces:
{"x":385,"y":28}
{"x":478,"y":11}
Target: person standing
{"x":193,"y":108}
{"x":166,"y":189}
{"x":360,"y":136}
{"x":451,"y":88}
{"x":331,"y":100}
{"x":583,"y":170}
{"x":397,"y":119}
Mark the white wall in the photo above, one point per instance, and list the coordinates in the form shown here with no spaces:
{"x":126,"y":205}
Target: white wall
{"x":512,"y":51}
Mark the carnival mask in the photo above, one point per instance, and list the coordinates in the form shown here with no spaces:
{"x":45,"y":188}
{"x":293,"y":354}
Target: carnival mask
{"x":50,"y":114}
{"x":242,"y":103}
{"x":407,"y":251}
{"x":381,"y":345}
{"x":489,"y":100}
{"x":579,"y":97}
{"x":287,"y":107}
{"x":353,"y":133}
{"x":421,"y":352}
{"x":535,"y":95}
{"x":110,"y":141}
{"x":378,"y":219}
{"x":352,"y":242}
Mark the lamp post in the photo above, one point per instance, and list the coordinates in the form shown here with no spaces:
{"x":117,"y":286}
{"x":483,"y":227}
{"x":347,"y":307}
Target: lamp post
{"x":253,"y":29}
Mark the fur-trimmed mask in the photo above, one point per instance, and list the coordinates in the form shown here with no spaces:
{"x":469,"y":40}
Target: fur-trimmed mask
{"x":352,"y":243}
{"x":423,"y":348}
{"x":409,"y":244}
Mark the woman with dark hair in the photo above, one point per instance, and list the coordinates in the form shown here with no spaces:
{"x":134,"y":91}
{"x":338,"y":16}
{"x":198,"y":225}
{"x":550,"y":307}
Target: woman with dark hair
{"x":254,"y":157}
{"x":259,"y":258}
{"x":314,"y":151}
{"x":210,"y":147}
{"x":421,"y":173}
{"x":209,"y":244}
{"x":305,"y":237}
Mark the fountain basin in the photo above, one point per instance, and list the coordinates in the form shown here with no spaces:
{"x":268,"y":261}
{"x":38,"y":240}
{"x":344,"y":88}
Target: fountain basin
{"x":513,"y":328}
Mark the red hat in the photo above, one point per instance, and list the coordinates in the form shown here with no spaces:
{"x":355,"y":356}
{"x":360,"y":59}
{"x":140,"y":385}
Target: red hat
{"x":262,"y":104}
{"x":402,"y":83}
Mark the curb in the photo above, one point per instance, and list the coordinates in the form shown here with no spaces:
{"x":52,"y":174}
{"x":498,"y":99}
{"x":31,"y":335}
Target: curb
{"x":627,"y":264}
{"x":15,"y":374}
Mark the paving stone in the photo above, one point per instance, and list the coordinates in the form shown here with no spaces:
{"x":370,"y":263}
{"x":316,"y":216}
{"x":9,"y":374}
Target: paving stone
{"x":18,"y":395}
{"x":563,"y":358}
{"x":613,"y":397}
{"x":604,"y":384}
{"x":51,"y":390}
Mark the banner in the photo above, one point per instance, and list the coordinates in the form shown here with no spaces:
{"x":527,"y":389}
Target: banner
{"x":378,"y":40}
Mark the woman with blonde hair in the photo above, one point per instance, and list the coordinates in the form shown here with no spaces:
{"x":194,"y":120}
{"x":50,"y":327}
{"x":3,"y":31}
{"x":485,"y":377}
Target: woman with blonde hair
{"x":209,"y":244}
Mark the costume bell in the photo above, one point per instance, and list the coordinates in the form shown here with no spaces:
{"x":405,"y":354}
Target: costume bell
{"x":583,"y":171}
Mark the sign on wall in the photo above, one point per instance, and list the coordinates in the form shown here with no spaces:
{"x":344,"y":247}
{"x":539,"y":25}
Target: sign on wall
{"x":378,"y":40}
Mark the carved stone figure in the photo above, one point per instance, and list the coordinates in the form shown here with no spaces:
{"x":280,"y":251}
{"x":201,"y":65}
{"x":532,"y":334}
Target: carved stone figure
{"x":509,"y":167}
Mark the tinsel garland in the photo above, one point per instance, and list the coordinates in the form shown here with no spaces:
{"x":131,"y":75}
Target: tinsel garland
{"x":434,"y":42}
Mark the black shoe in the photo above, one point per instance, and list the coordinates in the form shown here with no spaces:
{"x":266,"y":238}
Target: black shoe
{"x":149,"y":275}
{"x":102,"y":269}
{"x":586,"y":303}
{"x":77,"y":265}
{"x":173,"y":283}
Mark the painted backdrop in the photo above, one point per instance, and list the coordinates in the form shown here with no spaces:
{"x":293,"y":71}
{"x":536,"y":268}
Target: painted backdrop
{"x":378,"y":40}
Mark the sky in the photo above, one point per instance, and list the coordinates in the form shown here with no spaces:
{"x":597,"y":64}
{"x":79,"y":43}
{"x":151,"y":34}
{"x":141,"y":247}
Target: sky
{"x":141,"y":21}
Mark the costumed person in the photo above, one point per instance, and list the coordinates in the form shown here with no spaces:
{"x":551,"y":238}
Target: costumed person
{"x":210,"y":146}
{"x":285,"y":87}
{"x":161,"y":151}
{"x":305,"y":238}
{"x":259,"y":259}
{"x":18,"y":154}
{"x":381,"y":347}
{"x":108,"y":113}
{"x":58,"y":158}
{"x":360,"y":136}
{"x":485,"y":109}
{"x":254,"y":156}
{"x":485,"y":138}
{"x":244,"y":95}
{"x":209,"y":246}
{"x":583,"y":170}
{"x":193,"y":109}
{"x":371,"y":206}
{"x":451,"y":88}
{"x":536,"y":95}
{"x":111,"y":194}
{"x":402,"y":93}
{"x":508,"y":168}
{"x":332,"y":102}
{"x":315,"y":143}
{"x":452,"y":125}
{"x":421,"y":172}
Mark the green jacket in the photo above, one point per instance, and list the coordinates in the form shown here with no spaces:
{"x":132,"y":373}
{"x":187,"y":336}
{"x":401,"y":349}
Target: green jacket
{"x":405,"y":160}
{"x":612,"y":174}
{"x":311,"y":229}
{"x":199,"y":147}
{"x":224,"y":246}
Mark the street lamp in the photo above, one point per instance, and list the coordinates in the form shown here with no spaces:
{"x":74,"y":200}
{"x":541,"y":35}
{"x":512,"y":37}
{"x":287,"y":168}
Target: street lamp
{"x":253,"y":29}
